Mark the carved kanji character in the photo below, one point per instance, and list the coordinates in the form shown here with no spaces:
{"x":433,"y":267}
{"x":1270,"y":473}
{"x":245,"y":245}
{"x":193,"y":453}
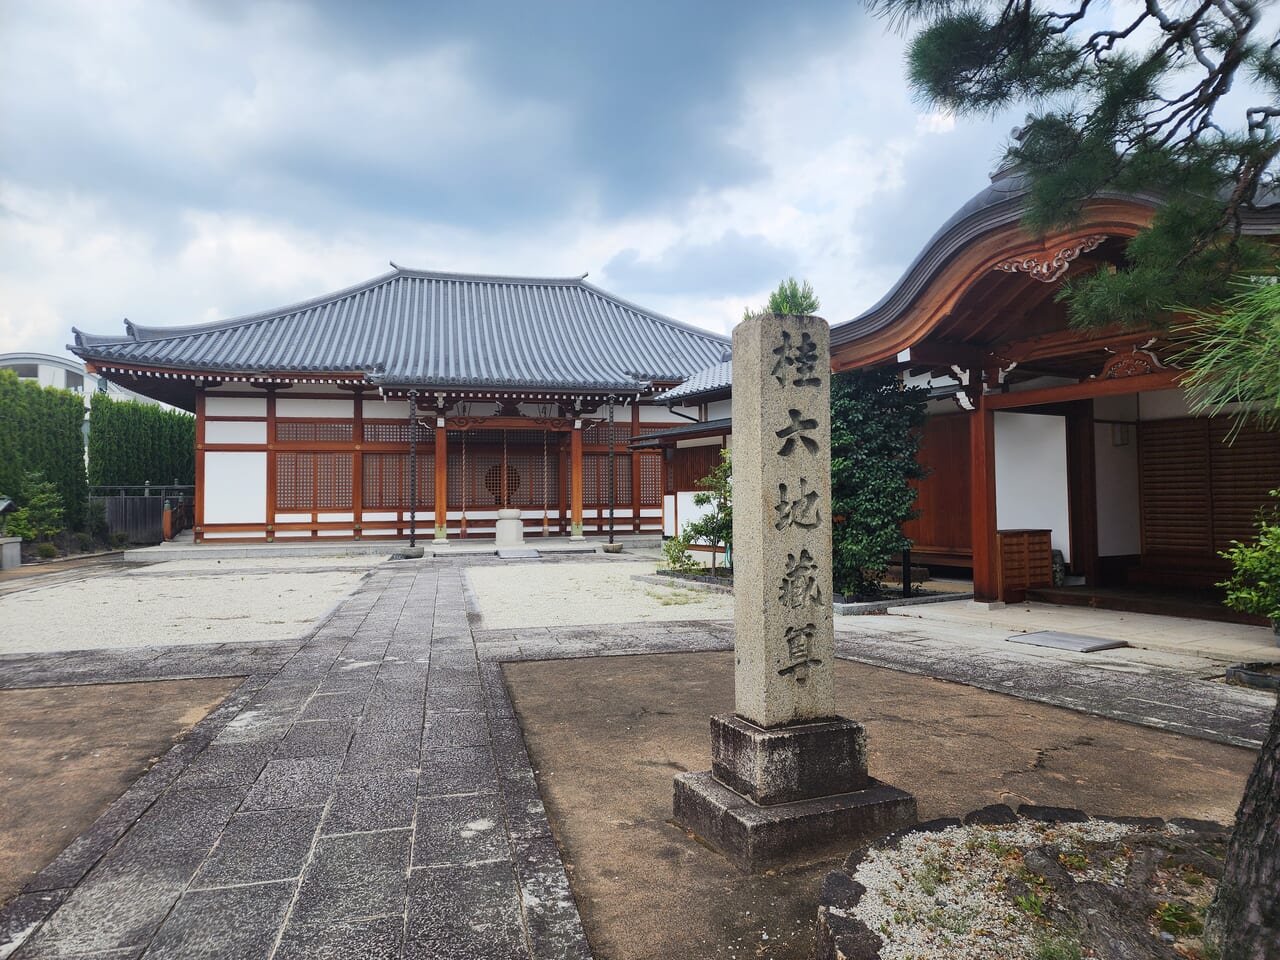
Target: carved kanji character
{"x":799,"y":654}
{"x":801,"y":511}
{"x":797,"y":361}
{"x":796,"y":430}
{"x":800,"y":581}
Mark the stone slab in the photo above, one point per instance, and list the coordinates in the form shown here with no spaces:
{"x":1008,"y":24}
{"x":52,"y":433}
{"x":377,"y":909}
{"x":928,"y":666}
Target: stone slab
{"x":511,"y":553}
{"x":754,"y":838}
{"x":1066,"y":641}
{"x":785,"y":764}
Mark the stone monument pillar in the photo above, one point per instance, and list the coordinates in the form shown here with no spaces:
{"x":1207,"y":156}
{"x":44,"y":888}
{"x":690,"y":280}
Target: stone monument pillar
{"x":787,"y":775}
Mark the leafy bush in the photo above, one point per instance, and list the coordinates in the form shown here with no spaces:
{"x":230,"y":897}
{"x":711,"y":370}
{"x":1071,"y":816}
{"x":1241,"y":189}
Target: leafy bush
{"x":875,"y":424}
{"x":41,"y":431}
{"x":41,"y":513}
{"x":1254,"y":585}
{"x":84,"y":542}
{"x":131,"y":443}
{"x":46,"y":551}
{"x":676,"y":551}
{"x":714,"y":528}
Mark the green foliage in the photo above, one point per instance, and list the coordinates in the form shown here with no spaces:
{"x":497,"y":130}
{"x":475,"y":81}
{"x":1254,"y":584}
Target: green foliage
{"x":46,"y":551}
{"x":1030,"y":903}
{"x":1177,"y":918}
{"x":1059,"y":948}
{"x":1254,"y":585}
{"x":1126,"y":102}
{"x":1234,"y":356}
{"x":792,"y":297}
{"x":41,"y":513}
{"x":716,"y":526}
{"x":676,"y":551}
{"x":132,"y":443}
{"x":40,"y":432}
{"x":875,"y":424}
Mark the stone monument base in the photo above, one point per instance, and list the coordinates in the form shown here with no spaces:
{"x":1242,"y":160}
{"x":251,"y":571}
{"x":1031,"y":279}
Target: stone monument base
{"x":777,"y":795}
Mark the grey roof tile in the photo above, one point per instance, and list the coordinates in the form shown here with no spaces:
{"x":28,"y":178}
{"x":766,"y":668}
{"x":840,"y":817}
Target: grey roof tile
{"x":420,"y":328}
{"x":713,"y":379}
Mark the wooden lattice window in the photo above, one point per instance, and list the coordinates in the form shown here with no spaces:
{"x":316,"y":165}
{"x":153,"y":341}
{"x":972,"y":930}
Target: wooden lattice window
{"x":308,"y":482}
{"x":385,"y":484}
{"x":393,"y":431}
{"x":312,"y":431}
{"x":651,"y":480}
{"x":595,"y":480}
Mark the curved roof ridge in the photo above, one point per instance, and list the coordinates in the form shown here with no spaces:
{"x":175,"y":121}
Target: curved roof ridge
{"x":485,"y":277}
{"x":653,"y":315}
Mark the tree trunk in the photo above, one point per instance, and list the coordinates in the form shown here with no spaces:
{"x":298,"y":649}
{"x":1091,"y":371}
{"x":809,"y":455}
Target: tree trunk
{"x":1244,"y":918}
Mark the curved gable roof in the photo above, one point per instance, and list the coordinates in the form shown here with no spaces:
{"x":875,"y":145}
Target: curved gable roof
{"x":425,"y":328}
{"x":1000,"y":204}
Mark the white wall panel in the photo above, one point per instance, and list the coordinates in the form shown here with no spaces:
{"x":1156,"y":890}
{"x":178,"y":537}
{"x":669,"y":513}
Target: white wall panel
{"x":390,"y":410}
{"x":293,"y":518}
{"x":1031,"y":476}
{"x":720,"y":409}
{"x":235,"y":406}
{"x":235,"y":487}
{"x":1119,"y":520}
{"x":291,"y":407}
{"x":222,"y":431}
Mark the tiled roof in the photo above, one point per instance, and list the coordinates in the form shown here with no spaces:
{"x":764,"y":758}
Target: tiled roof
{"x":419,"y":328}
{"x":713,"y":379}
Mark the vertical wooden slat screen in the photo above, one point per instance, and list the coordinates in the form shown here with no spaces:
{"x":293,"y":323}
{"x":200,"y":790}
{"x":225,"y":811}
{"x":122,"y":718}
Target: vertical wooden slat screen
{"x":1175,"y":488}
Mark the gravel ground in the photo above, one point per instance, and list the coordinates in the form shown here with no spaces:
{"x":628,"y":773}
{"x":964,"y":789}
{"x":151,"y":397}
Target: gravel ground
{"x":180,"y":602}
{"x":599,"y":591}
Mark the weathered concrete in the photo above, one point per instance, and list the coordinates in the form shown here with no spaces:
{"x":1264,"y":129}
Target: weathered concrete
{"x":782,"y":520}
{"x":788,"y":763}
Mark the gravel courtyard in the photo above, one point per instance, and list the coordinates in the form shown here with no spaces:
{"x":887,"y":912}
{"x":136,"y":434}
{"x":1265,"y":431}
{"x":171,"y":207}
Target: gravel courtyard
{"x":179,"y":602}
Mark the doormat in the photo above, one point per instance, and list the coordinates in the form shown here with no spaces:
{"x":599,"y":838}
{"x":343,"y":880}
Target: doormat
{"x":519,"y":555}
{"x":1066,"y":641}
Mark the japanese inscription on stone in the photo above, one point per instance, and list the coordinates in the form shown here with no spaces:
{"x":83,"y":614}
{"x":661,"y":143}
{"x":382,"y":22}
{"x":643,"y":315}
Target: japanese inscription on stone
{"x":782,"y":547}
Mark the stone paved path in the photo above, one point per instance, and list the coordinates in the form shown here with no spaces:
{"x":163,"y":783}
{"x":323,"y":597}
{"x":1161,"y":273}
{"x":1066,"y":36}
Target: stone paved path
{"x":370,"y":797}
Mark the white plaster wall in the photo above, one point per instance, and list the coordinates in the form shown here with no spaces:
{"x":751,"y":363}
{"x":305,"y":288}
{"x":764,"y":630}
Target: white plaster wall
{"x":1031,"y":475}
{"x":387,"y":410}
{"x":660,"y":414}
{"x":1119,"y":524}
{"x":290,"y":407}
{"x":235,"y":407}
{"x":698,"y":442}
{"x":720,"y":409}
{"x":218,"y":431}
{"x":235,"y":487}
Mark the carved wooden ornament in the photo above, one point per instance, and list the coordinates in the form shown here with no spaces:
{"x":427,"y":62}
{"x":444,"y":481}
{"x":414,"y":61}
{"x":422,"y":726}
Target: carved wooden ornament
{"x":1049,"y":269}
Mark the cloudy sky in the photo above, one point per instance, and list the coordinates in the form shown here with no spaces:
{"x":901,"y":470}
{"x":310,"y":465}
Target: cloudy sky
{"x":178,"y":162}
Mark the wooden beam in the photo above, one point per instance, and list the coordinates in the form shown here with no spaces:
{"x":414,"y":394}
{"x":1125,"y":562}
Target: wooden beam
{"x":357,"y":460}
{"x":982,"y":491}
{"x":1065,"y":343}
{"x":271,"y":462}
{"x":1084,"y":390}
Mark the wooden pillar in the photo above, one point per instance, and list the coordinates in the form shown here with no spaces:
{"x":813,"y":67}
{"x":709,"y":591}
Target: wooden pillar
{"x":271,"y":465}
{"x":982,"y":491}
{"x":442,"y":482}
{"x":562,"y":485}
{"x":635,"y":468}
{"x":1082,"y":491}
{"x":357,"y":463}
{"x":575,"y":482}
{"x":198,"y":535}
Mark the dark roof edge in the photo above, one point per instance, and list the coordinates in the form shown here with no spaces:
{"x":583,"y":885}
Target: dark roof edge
{"x":702,"y":427}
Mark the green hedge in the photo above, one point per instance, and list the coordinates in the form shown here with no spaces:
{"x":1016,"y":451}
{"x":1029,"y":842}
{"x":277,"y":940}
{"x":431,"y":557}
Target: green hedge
{"x":40,"y":431}
{"x":131,"y":443}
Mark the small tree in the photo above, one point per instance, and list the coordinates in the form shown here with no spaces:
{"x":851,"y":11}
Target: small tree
{"x":793,"y":298}
{"x":41,"y":513}
{"x":716,"y":527}
{"x":875,"y":424}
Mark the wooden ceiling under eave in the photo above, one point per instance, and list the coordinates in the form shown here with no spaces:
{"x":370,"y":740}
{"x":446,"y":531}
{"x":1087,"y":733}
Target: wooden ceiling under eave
{"x":1011,"y":317}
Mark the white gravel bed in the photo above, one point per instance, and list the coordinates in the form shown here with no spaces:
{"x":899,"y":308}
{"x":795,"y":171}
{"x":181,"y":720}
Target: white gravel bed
{"x":119,"y":610}
{"x":940,"y":895}
{"x":213,"y":563}
{"x":601,"y":591}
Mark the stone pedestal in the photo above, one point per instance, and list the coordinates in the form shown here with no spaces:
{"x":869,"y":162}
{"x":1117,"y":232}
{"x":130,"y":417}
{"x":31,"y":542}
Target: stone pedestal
{"x":788,"y":777}
{"x":509,"y":529}
{"x":10,"y":552}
